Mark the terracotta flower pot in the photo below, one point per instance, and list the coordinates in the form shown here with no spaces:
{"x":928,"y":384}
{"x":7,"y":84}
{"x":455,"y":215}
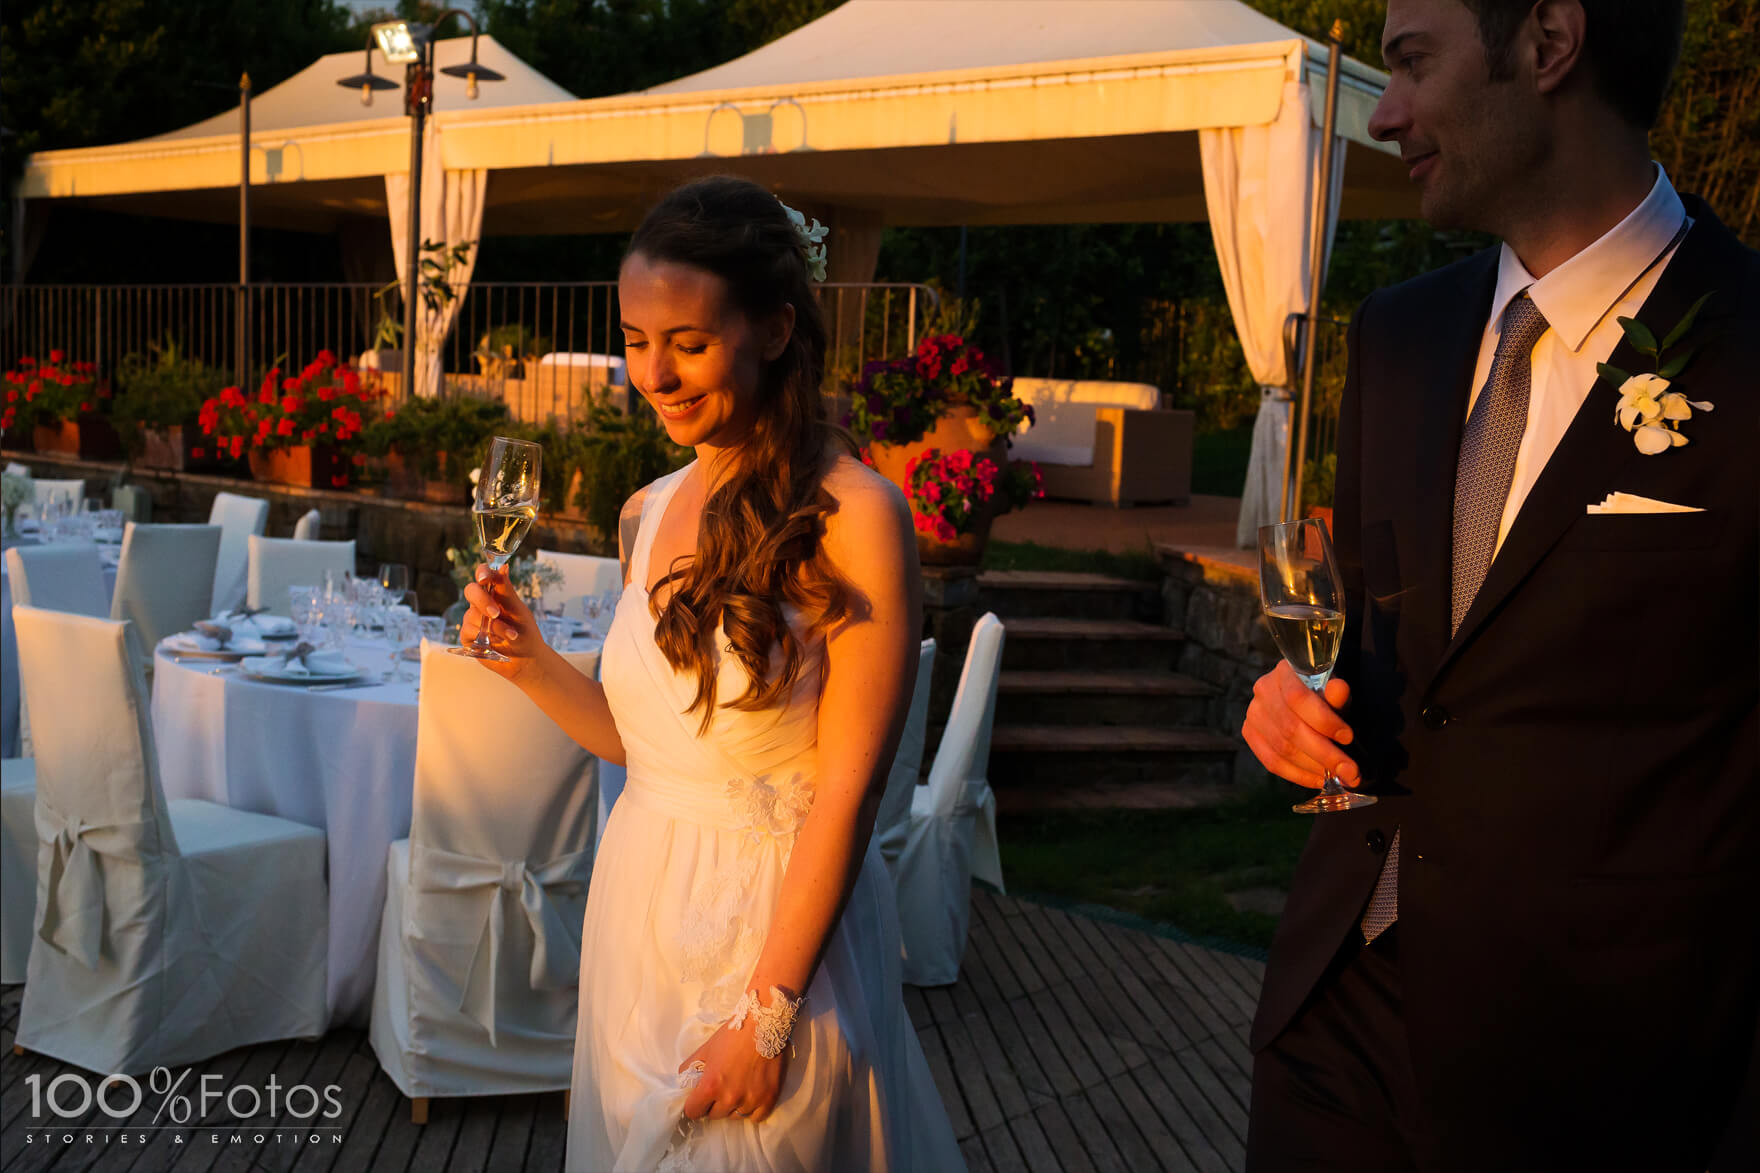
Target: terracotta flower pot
{"x":966,"y":549}
{"x":163,"y":448}
{"x":315,"y":466}
{"x":1324,"y":513}
{"x":402,"y":480}
{"x":959,"y":429}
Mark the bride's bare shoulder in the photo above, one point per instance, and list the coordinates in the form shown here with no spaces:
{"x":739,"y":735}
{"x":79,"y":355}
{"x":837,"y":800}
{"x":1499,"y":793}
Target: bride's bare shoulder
{"x":869,"y":507}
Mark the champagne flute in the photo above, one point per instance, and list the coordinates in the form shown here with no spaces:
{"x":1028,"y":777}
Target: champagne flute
{"x":394,"y":577}
{"x":1303,"y":597}
{"x":507,"y":501}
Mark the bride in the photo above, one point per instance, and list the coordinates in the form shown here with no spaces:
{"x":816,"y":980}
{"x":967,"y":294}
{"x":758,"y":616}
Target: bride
{"x":740,"y":1004}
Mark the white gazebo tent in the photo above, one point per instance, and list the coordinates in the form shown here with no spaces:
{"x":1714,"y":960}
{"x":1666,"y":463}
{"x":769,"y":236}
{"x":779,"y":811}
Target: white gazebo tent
{"x":881,"y":112}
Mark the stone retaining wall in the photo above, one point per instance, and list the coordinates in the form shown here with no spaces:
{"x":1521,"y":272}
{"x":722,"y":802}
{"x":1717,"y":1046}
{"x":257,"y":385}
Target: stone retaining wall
{"x":384,"y":529}
{"x":1216,"y":604}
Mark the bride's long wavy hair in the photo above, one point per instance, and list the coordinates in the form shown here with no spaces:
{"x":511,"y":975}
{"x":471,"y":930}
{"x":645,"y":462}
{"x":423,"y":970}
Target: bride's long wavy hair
{"x":759,"y":545}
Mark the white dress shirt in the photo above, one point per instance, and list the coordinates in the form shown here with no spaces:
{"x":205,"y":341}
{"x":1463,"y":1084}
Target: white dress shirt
{"x":1582,"y":301}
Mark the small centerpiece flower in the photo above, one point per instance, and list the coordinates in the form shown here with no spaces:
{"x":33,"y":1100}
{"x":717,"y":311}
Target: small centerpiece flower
{"x":1649,"y":408}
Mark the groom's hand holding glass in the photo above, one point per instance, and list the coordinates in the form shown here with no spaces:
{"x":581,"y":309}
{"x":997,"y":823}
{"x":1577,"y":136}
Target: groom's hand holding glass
{"x":1295,"y":734}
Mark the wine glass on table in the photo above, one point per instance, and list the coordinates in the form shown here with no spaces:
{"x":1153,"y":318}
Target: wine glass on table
{"x":1303,"y":597}
{"x":394,"y":578}
{"x":506,"y":503}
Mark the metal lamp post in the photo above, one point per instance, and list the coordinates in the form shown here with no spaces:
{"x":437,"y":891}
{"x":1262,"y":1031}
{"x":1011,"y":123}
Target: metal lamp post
{"x":412,"y":46}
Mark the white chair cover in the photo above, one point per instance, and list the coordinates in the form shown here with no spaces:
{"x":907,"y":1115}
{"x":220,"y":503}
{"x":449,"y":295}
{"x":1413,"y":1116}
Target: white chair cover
{"x":18,"y":865}
{"x":58,"y":578}
{"x":15,"y":469}
{"x":238,"y":518}
{"x":165,"y":933}
{"x":165,"y":580}
{"x":306,"y":528}
{"x":70,"y":493}
{"x":582,"y":575}
{"x":479,"y":946}
{"x":892,"y":824}
{"x":952,"y":833}
{"x":279,"y":563}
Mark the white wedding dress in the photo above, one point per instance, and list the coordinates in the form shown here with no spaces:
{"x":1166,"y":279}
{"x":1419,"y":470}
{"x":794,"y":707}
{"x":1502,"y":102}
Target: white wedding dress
{"x":682,"y":895}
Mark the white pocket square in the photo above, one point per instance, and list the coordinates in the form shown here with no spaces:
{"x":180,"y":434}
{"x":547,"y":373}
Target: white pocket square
{"x":1632,"y":503}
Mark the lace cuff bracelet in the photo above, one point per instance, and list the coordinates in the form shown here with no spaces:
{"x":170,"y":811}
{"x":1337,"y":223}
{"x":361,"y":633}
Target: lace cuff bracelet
{"x":774,"y":1024}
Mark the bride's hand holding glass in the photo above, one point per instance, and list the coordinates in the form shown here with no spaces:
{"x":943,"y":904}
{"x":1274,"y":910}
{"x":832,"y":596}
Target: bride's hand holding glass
{"x":513,"y":630}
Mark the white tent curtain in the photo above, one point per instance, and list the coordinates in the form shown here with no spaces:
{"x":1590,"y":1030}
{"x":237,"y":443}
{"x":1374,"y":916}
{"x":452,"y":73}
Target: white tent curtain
{"x":452,"y":214}
{"x":1258,"y":185}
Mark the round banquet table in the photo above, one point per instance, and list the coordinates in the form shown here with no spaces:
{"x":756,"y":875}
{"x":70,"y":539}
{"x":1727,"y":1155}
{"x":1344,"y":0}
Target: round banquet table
{"x":9,"y":688}
{"x":342,"y":760}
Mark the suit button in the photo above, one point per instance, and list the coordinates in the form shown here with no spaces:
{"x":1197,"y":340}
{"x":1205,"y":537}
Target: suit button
{"x":1435,"y":717}
{"x":1376,"y":841}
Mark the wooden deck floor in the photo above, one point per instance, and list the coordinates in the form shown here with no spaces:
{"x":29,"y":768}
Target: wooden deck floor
{"x":1069,"y":1044}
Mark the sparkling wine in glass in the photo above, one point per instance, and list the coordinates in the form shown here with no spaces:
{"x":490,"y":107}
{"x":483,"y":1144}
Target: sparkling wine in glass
{"x":506,"y":504}
{"x":1303,"y":597}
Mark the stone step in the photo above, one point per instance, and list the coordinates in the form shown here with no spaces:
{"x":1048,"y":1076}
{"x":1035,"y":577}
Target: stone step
{"x":1088,"y":644}
{"x":1118,"y":697}
{"x":1067,"y":595}
{"x":1077,"y":756}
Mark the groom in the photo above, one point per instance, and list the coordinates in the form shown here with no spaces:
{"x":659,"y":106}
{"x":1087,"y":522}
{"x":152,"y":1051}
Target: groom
{"x":1540,"y":950}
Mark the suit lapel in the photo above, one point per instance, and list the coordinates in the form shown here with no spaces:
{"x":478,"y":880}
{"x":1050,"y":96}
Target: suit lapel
{"x":1452,"y":353}
{"x":1589,"y":457}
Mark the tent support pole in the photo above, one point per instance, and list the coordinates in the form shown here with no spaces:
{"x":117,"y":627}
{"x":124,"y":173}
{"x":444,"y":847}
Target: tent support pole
{"x":242,"y":335}
{"x":416,"y":88}
{"x":1297,"y":450}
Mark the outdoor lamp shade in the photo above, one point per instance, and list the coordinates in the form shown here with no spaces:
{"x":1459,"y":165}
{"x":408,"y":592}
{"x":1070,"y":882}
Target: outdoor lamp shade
{"x":472,"y":74}
{"x":367,"y":83}
{"x":398,"y":40}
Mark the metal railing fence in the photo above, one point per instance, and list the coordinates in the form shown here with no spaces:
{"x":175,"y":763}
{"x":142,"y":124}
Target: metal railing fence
{"x":497,"y":346}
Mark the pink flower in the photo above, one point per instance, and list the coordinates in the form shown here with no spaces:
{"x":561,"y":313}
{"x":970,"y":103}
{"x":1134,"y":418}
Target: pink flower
{"x":944,"y":530}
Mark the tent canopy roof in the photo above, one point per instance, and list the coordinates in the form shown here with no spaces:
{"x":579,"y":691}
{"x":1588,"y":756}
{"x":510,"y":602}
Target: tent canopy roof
{"x":884,"y":38}
{"x":311,"y":97}
{"x":923,"y":111}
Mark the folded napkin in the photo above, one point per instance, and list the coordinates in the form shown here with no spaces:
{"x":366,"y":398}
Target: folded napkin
{"x":301,"y":661}
{"x":258,"y":624}
{"x":1632,"y":503}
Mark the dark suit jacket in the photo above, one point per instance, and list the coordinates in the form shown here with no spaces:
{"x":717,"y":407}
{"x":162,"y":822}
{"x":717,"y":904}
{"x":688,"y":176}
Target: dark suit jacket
{"x":1576,"y":773}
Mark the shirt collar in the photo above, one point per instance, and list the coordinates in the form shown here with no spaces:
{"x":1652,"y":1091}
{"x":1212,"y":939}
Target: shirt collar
{"x":1577,"y":295}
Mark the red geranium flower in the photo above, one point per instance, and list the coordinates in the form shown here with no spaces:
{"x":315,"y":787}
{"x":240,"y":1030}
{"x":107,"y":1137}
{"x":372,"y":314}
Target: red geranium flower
{"x":55,"y":356}
{"x":197,"y":453}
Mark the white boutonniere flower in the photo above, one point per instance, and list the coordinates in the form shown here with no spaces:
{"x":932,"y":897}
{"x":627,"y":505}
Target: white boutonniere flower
{"x":1649,"y":408}
{"x":811,"y":241}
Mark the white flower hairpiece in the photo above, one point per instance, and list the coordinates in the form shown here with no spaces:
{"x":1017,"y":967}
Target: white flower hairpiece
{"x":810,"y":241}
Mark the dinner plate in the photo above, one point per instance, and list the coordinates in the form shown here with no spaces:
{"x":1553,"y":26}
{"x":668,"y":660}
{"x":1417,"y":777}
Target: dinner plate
{"x":237,"y":649}
{"x":274,"y":674}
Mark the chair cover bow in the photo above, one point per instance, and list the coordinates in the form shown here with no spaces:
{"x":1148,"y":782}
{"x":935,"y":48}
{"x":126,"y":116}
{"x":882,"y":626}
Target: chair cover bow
{"x":556,"y":942}
{"x":71,"y":916}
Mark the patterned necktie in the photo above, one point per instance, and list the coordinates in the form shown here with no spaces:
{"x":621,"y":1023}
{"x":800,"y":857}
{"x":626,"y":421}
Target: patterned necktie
{"x":1481,"y":489}
{"x":1488,"y":452}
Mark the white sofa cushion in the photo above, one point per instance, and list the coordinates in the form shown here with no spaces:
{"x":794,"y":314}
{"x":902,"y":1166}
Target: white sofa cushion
{"x":1062,"y":431}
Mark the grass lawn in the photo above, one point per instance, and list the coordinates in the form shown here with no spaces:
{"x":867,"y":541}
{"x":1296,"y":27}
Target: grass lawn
{"x":1173,"y":867}
{"x":1220,"y":459}
{"x":1140,"y":564}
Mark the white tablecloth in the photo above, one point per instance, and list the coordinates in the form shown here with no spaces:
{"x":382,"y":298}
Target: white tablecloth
{"x":342,"y":760}
{"x":9,"y":652}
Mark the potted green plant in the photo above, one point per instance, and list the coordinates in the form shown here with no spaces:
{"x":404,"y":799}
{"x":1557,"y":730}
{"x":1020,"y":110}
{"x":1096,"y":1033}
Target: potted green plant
{"x":427,"y":446}
{"x":63,"y":403}
{"x":946,"y":395}
{"x":300,"y":429}
{"x":159,"y":395}
{"x":434,"y":285}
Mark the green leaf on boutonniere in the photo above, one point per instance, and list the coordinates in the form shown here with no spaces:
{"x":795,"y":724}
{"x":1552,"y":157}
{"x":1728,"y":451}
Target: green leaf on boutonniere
{"x":1612,"y":374}
{"x":1639,"y":335}
{"x":1686,"y":323}
{"x":1676,"y":365}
